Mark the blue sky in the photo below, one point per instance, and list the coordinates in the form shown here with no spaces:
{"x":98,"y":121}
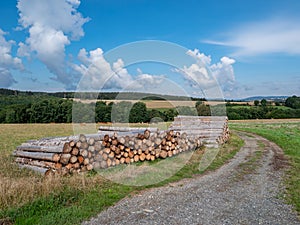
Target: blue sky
{"x":249,"y":47}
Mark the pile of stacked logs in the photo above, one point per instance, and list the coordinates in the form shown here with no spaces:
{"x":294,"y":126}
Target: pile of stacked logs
{"x":211,"y":130}
{"x":114,"y":146}
{"x":86,"y":153}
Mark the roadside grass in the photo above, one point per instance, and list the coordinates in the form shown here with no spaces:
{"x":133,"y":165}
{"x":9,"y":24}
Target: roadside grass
{"x":286,"y":135}
{"x":28,"y":198}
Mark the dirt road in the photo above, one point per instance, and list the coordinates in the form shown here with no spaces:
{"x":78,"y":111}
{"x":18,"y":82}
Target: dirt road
{"x":244,"y":191}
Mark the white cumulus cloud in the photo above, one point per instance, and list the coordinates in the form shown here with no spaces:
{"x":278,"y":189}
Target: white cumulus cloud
{"x":97,"y":73}
{"x":280,"y":35}
{"x":7,"y":61}
{"x":52,"y":25}
{"x":203,"y":74}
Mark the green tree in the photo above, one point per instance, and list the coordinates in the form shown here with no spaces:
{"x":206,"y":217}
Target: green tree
{"x":293,"y":102}
{"x":263,"y":102}
{"x":256,"y":102}
{"x":138,"y":113}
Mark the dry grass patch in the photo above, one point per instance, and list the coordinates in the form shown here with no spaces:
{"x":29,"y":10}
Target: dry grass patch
{"x":18,"y":186}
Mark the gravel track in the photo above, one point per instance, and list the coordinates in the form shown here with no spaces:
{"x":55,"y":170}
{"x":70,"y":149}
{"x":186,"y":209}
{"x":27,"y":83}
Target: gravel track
{"x":243,"y":191}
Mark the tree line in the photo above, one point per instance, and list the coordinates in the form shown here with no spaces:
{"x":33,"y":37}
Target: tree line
{"x":48,"y":109}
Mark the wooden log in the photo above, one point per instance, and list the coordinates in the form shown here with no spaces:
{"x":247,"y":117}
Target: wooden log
{"x":109,"y":162}
{"x":147,"y":134}
{"x":114,"y":142}
{"x":106,"y":150}
{"x":67,"y":148}
{"x":72,"y":143}
{"x":111,"y":155}
{"x":46,"y":149}
{"x":76,"y":165}
{"x":157,"y":141}
{"x":148,"y":157}
{"x":82,"y":138}
{"x":163,"y":154}
{"x":121,"y":147}
{"x":86,"y":161}
{"x":122,"y":160}
{"x":91,"y":141}
{"x":89,"y":167}
{"x":64,"y":158}
{"x":97,"y":146}
{"x":38,"y":169}
{"x":142,"y":157}
{"x":83,"y":152}
{"x":78,"y":144}
{"x":58,"y":166}
{"x":91,"y":148}
{"x":38,"y":163}
{"x":127,"y":160}
{"x":73,"y":159}
{"x":106,"y":138}
{"x":38,"y":155}
{"x":117,"y":151}
{"x":80,"y":159}
{"x":130,"y":154}
{"x":136,"y":158}
{"x":105,"y":156}
{"x":75,"y":151}
{"x":84,"y":145}
{"x":122,"y":140}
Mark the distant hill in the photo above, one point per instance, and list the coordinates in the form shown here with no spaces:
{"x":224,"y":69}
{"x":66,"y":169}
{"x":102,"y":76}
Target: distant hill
{"x":268,"y":98}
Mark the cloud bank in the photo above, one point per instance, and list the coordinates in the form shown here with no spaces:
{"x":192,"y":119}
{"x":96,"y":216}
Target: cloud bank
{"x":264,"y":37}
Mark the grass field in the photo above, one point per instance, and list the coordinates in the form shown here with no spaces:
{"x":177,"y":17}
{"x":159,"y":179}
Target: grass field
{"x":28,"y":198}
{"x":286,"y":134}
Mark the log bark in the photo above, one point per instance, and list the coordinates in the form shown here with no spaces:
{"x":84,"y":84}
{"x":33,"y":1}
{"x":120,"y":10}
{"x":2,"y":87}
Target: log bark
{"x":34,"y":168}
{"x":38,"y":155}
{"x":46,"y":149}
{"x":38,"y":163}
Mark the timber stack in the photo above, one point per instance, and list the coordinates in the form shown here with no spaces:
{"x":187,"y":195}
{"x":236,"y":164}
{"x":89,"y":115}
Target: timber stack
{"x":211,"y":130}
{"x":86,"y":153}
{"x":113,"y":146}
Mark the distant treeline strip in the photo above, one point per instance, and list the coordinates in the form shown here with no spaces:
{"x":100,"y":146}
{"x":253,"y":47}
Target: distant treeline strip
{"x":47,"y":109}
{"x":100,"y":95}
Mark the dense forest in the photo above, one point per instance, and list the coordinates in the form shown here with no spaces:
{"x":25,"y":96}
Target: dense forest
{"x":39,"y":107}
